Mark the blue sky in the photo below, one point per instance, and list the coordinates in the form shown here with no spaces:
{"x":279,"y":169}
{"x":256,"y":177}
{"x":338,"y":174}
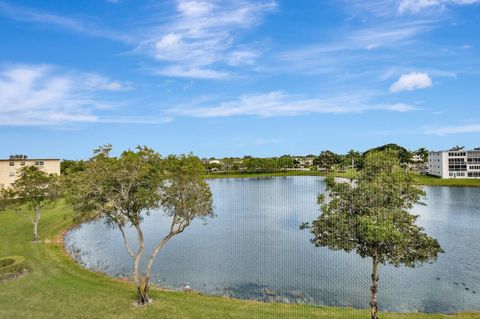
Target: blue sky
{"x":231,"y":78}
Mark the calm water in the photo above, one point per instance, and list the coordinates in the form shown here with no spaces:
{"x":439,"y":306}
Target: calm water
{"x":254,"y":249}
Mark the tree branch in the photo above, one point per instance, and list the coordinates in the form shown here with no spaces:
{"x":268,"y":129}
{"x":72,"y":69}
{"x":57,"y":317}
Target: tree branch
{"x":130,"y":252}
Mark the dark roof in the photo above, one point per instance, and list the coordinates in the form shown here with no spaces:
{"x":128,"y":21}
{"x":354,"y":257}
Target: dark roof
{"x":29,"y":159}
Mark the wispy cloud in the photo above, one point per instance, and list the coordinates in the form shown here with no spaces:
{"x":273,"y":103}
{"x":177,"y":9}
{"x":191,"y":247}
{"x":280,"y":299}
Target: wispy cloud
{"x":411,"y":81}
{"x":201,"y":37}
{"x":31,"y":15}
{"x":47,"y":95}
{"x":355,"y":47}
{"x":447,"y":130}
{"x":389,"y":8}
{"x":279,"y":103}
{"x":415,"y":6}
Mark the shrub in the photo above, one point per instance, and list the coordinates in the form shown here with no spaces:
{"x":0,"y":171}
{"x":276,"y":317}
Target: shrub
{"x":11,"y":266}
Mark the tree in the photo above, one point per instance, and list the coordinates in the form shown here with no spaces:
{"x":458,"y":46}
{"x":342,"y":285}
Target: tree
{"x":423,"y":153}
{"x":35,"y":190}
{"x":123,"y":190}
{"x":327,"y":159}
{"x":370,"y":216}
{"x":285,"y":161}
{"x":457,"y":148}
{"x":353,"y":159}
{"x":71,"y":166}
{"x":403,"y":154}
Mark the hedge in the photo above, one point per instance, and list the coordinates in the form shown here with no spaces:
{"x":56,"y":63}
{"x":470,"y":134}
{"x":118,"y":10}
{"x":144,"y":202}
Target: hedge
{"x":11,"y":266}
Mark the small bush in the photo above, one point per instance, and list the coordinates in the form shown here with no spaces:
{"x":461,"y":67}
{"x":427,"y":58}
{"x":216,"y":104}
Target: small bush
{"x":11,"y":266}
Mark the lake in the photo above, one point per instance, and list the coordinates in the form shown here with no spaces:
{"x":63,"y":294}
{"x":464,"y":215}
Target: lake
{"x":254,"y":249}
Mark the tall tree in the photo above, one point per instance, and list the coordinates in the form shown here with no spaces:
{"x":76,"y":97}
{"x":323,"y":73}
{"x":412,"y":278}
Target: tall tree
{"x":370,"y":216}
{"x":35,"y":190}
{"x":327,"y":159}
{"x":423,"y":153}
{"x":352,"y":159}
{"x":123,"y":190}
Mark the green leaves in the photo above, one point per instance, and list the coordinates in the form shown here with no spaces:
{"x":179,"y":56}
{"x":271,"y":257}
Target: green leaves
{"x":122,"y":189}
{"x":34,"y":188}
{"x":119,"y":189}
{"x":370,"y":214}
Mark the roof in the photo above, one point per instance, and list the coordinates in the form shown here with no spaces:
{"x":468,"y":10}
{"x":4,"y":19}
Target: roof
{"x":29,"y":159}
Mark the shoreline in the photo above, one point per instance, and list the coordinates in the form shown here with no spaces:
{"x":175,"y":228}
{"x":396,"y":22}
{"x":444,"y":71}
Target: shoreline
{"x":70,"y":289}
{"x":157,"y":287}
{"x":423,"y":180}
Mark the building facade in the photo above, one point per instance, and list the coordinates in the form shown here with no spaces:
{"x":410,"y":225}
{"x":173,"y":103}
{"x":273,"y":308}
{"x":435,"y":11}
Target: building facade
{"x":10,"y":168}
{"x":455,"y":164}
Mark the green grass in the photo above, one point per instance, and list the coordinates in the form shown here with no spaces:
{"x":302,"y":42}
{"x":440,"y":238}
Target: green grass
{"x":457,"y":182}
{"x":56,"y":287}
{"x":422,"y":179}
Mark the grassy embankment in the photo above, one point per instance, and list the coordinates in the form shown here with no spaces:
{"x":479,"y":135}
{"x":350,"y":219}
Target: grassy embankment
{"x":422,"y":179}
{"x":56,"y":287}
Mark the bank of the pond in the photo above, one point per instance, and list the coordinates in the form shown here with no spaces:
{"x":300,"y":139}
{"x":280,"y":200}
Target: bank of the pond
{"x":425,"y":180}
{"x":57,"y":287}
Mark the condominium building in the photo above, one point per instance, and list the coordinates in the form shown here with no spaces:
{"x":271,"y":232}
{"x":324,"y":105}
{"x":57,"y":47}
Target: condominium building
{"x":10,"y":168}
{"x":455,"y":164}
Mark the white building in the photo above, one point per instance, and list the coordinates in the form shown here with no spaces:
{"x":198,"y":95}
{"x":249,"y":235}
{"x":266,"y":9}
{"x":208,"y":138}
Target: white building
{"x":455,"y":164}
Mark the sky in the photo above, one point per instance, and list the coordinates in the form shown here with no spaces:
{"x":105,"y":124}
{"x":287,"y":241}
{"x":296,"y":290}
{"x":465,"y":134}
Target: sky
{"x":239,"y":77}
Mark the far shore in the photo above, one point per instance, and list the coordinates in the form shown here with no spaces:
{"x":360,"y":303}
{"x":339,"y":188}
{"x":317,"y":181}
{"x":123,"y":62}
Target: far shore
{"x":425,"y":180}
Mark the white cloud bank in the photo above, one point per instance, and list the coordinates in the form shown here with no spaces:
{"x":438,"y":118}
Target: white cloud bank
{"x":46,"y":95}
{"x":200,"y":40}
{"x":411,"y":81}
{"x":279,"y":103}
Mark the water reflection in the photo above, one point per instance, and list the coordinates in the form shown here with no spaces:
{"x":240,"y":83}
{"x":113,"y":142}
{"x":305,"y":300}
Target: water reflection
{"x":253,"y":249}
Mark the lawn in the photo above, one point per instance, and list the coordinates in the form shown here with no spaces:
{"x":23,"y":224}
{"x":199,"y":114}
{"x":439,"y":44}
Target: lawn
{"x":56,"y":287}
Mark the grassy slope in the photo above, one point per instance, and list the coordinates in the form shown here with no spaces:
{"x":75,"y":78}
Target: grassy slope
{"x":56,"y":287}
{"x":422,"y":179}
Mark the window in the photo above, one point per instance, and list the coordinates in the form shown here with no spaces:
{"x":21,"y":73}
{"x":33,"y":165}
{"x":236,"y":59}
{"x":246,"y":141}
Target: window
{"x":12,"y":163}
{"x":39,"y":163}
{"x":22,"y":163}
{"x":11,"y":174}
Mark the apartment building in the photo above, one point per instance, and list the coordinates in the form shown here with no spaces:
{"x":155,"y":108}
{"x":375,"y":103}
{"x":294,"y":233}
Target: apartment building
{"x":455,"y":163}
{"x":10,"y":168}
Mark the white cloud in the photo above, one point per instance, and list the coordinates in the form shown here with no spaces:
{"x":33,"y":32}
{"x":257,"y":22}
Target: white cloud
{"x":278,"y":103}
{"x":30,"y":15}
{"x":415,"y":6}
{"x":97,"y":82}
{"x":447,"y":130}
{"x":242,"y":57}
{"x":195,"y":8}
{"x":411,"y":81}
{"x":353,"y":48}
{"x":193,"y":72}
{"x":45,"y":95}
{"x":202,"y":37}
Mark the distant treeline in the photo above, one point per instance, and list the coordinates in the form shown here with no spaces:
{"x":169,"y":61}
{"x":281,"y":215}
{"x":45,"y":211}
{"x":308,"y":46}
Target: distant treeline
{"x":325,"y":160}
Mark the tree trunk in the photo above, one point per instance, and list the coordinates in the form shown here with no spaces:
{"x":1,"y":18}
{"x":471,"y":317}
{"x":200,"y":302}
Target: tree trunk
{"x":152,"y":259}
{"x":374,"y":290}
{"x":36,"y":219}
{"x":140,"y":280}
